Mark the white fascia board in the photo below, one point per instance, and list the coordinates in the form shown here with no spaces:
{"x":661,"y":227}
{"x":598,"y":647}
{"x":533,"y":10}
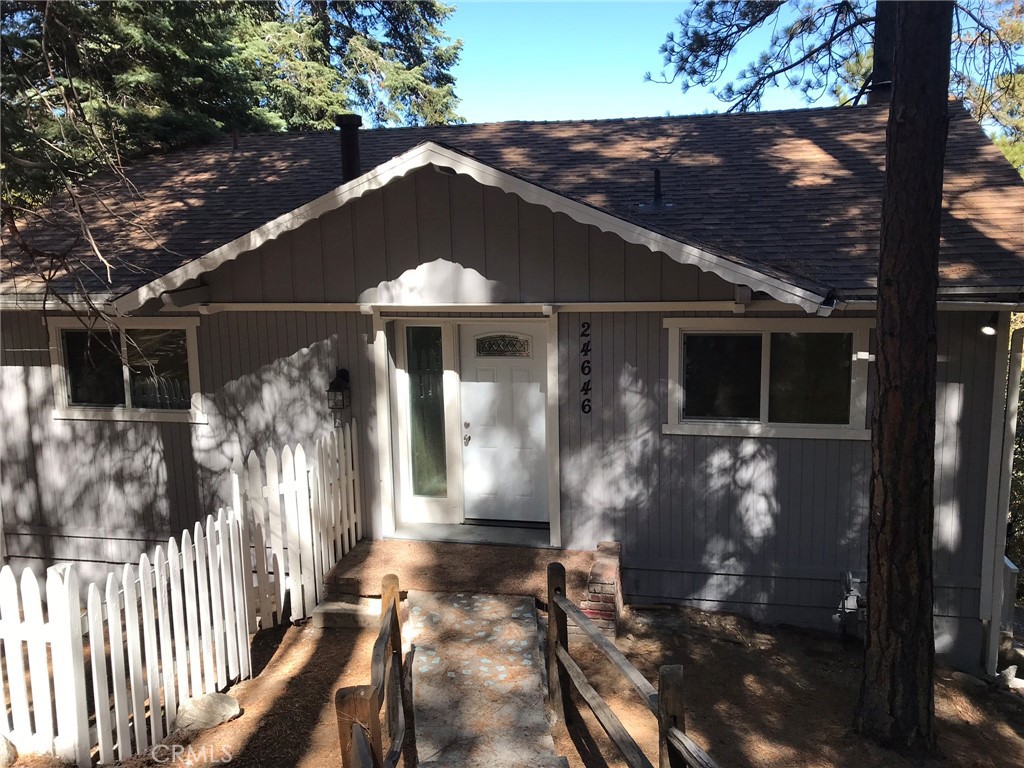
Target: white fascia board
{"x":430,"y":153}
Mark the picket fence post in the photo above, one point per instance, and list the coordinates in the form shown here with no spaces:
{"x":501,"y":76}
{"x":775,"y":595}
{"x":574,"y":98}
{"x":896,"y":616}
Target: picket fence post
{"x":307,"y":546}
{"x":242,"y":514}
{"x":353,"y":452}
{"x":39,"y":683}
{"x":272,"y":491}
{"x":134,"y":646}
{"x":152,"y":644}
{"x":177,"y":623}
{"x":65,"y":614}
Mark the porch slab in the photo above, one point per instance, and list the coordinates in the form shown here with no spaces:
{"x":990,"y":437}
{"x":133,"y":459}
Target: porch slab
{"x":474,"y":534}
{"x":447,"y":567}
{"x":478,"y":691}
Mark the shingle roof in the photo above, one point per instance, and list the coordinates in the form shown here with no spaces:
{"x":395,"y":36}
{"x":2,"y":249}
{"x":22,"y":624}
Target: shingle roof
{"x":794,"y":192}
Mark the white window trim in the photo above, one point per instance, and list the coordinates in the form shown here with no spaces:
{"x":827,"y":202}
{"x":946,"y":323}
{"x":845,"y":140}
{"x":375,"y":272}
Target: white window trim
{"x":854,"y":430}
{"x":63,"y":409}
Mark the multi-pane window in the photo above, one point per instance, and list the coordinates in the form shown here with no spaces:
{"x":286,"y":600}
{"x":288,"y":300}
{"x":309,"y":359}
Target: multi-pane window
{"x":123,"y":373}
{"x":776,"y":378}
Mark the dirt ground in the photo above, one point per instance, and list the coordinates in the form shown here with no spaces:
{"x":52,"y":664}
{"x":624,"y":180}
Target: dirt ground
{"x":777,"y":696}
{"x":756,"y":696}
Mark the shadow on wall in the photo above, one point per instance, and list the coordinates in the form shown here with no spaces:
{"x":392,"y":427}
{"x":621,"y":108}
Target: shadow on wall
{"x":279,"y":404}
{"x":85,"y":490}
{"x":606,"y":480}
{"x":766,"y":526}
{"x":733,"y":523}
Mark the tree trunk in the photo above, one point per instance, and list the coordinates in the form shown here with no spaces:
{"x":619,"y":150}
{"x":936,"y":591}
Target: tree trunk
{"x":896,"y":706}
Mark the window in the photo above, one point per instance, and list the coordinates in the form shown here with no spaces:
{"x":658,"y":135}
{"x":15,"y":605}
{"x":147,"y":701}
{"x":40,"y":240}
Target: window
{"x":143,"y":370}
{"x":768,"y":377}
{"x":722,"y":376}
{"x":810,"y":378}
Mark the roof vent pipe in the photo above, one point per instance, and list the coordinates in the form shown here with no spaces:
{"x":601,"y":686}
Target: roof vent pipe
{"x":349,"y":125}
{"x":657,"y":188}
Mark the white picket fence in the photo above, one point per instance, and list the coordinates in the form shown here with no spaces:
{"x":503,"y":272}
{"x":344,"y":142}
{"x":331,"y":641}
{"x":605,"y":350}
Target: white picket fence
{"x":309,"y":507}
{"x":107,"y":682}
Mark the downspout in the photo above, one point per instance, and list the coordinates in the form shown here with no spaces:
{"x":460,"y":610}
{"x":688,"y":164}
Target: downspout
{"x":992,"y":569}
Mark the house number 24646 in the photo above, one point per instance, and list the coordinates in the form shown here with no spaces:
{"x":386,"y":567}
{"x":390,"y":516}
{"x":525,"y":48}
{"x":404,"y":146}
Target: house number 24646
{"x":585,"y":367}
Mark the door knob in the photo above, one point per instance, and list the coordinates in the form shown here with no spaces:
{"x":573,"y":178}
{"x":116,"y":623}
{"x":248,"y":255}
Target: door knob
{"x":466,"y":439}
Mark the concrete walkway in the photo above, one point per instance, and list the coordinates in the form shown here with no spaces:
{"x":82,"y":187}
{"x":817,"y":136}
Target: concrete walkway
{"x":478,"y":690}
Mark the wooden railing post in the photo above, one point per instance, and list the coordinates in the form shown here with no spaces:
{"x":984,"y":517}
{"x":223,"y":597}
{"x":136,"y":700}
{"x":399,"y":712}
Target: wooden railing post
{"x":558,"y":635}
{"x":671,"y":713}
{"x":389,"y":594}
{"x":394,"y":677}
{"x":357,"y":705}
{"x":360,"y":753}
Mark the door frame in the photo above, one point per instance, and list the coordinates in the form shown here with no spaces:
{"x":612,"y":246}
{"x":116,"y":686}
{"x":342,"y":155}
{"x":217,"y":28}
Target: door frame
{"x":395,"y":461}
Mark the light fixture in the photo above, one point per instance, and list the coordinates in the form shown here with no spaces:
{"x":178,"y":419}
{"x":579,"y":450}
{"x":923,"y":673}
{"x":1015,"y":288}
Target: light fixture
{"x":339,"y":395}
{"x":991,"y":324}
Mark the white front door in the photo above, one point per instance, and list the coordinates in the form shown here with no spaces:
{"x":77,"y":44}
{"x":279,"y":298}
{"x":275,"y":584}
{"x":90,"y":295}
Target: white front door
{"x":503,"y":404}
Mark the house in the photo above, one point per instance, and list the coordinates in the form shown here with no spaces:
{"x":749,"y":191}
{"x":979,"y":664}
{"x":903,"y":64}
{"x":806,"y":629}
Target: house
{"x":654,"y":331}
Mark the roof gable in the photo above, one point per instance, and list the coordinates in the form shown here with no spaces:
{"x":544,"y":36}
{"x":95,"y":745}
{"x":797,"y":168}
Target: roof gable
{"x":432,"y":154}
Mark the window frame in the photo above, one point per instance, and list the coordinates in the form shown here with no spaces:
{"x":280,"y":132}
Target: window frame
{"x":64,"y":409}
{"x":855,"y":429}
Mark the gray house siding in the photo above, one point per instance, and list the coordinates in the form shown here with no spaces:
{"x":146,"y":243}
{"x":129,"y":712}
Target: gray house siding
{"x":434,"y":238}
{"x":102,"y":492}
{"x":760,"y":526}
{"x":265,"y":376}
{"x":89,"y":490}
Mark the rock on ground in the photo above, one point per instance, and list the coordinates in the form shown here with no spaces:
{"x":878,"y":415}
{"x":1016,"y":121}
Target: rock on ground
{"x":207,"y":711}
{"x":8,"y":754}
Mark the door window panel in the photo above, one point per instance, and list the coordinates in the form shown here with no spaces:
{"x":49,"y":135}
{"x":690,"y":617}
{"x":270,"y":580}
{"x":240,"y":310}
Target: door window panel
{"x":426,"y":411}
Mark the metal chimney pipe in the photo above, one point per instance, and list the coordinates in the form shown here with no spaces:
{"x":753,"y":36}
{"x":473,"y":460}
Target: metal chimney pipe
{"x":349,"y":125}
{"x":880,"y":90}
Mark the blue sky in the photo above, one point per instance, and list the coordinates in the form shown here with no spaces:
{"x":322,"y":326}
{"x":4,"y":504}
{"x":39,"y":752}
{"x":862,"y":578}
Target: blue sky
{"x":575,"y":60}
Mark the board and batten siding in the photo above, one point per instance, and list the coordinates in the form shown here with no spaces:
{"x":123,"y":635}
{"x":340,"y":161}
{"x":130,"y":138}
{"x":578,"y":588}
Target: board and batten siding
{"x":265,"y":377}
{"x":102,"y":492}
{"x":440,"y":239}
{"x":764,"y":526}
{"x":81,"y":490}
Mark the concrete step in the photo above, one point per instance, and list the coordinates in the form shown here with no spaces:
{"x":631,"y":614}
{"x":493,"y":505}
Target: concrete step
{"x":348,"y":612}
{"x":339,"y":586}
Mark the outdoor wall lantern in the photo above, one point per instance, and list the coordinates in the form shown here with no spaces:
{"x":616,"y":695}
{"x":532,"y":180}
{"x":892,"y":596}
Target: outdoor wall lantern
{"x":991,"y":324}
{"x":339,"y":395}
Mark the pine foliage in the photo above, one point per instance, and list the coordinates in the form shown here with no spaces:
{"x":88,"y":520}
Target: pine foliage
{"x":87,"y":85}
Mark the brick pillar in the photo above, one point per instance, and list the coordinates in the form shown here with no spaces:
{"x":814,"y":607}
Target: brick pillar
{"x":603,"y":601}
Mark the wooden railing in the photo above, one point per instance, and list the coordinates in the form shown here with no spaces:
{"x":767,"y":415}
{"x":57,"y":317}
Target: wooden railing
{"x":675,"y":748}
{"x":358,"y":707}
